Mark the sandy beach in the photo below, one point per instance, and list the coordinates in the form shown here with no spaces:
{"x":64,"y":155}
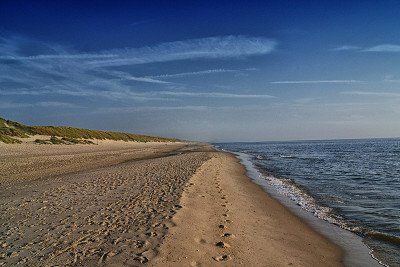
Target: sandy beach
{"x":133,"y":204}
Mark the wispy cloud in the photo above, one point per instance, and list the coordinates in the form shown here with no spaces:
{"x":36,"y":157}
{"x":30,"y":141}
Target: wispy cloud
{"x":346,"y":48}
{"x":33,"y":68}
{"x":46,"y":104}
{"x":203,"y":48}
{"x":62,"y":56}
{"x":391,"y":80}
{"x":193,"y":73}
{"x":116,"y":95}
{"x":152,"y":95}
{"x":152,"y":109}
{"x":127,"y":76}
{"x":204,"y":108}
{"x":212,"y":95}
{"x":316,"y":81}
{"x":56,"y":104}
{"x":211,"y":47}
{"x":381,"y":48}
{"x":14,"y":105}
{"x":369,"y":93}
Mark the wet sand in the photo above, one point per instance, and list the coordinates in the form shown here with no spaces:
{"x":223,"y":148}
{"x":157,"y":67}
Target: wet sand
{"x":130,"y":204}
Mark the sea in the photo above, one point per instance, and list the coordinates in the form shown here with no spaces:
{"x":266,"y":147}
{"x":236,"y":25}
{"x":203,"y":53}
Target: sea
{"x":353,"y":184}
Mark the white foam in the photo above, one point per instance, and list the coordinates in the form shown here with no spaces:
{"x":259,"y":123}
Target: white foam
{"x":304,"y":206}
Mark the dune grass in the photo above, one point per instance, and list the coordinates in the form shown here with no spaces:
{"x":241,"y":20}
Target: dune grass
{"x":63,"y":141}
{"x":9,"y":140}
{"x":10,"y":129}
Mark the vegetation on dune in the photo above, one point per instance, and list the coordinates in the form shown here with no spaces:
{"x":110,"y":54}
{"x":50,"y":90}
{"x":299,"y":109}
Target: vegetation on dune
{"x":9,"y":140}
{"x":76,"y":141}
{"x":63,"y":141}
{"x":70,"y":132}
{"x":10,"y":129}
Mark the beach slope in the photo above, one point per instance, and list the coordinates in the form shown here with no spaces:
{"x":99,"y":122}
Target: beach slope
{"x":132,"y":204}
{"x":226,"y":219}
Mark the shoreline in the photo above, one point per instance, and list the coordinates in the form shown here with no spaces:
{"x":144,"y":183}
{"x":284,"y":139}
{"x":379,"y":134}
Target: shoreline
{"x":157,"y":204}
{"x":227,"y":218}
{"x":355,"y":251}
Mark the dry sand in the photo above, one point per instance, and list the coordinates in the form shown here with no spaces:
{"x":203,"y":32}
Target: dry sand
{"x":130,"y":204}
{"x":229,"y":220}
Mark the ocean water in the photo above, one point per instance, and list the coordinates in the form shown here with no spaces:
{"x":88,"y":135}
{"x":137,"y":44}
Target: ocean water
{"x":354,"y":184}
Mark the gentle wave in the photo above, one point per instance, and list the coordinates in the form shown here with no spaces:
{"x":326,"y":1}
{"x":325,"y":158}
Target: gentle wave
{"x":288,"y":156}
{"x":351,"y":183}
{"x":296,"y":193}
{"x":394,"y":240}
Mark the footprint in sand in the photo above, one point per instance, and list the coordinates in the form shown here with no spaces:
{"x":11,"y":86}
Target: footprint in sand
{"x":140,"y":258}
{"x":102,"y":259}
{"x":222,"y":258}
{"x":221,"y":244}
{"x":200,"y":240}
{"x":227,"y":235}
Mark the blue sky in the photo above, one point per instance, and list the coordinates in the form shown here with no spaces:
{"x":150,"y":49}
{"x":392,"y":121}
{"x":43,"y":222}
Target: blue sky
{"x":211,"y":71}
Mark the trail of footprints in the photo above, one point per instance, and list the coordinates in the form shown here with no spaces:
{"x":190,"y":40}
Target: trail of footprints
{"x":224,"y":226}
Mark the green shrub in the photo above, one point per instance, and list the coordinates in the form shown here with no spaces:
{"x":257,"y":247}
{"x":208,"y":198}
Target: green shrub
{"x":55,"y":141}
{"x":69,"y":140}
{"x":42,"y":142}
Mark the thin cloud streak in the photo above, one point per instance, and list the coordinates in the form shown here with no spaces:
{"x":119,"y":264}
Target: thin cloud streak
{"x":317,"y":81}
{"x":126,"y":76}
{"x":346,"y":48}
{"x":205,"y":108}
{"x":44,"y":104}
{"x":382,"y":48}
{"x":115,"y":95}
{"x":211,"y":47}
{"x":65,"y":56}
{"x":375,"y":94}
{"x":203,"y":48}
{"x":391,"y":81}
{"x":194,"y":73}
{"x":153,"y":95}
{"x":213,"y":95}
